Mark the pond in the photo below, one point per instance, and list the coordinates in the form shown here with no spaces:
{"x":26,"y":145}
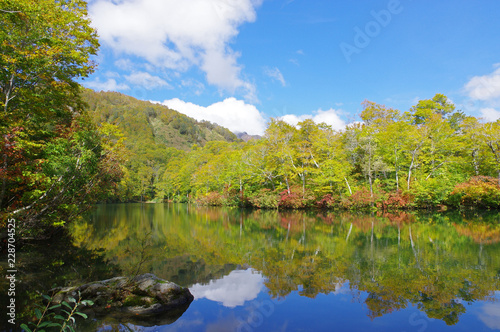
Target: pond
{"x":253,"y":270}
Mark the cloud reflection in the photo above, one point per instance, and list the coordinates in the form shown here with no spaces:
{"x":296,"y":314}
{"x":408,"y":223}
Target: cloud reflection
{"x":490,"y":314}
{"x":232,"y":290}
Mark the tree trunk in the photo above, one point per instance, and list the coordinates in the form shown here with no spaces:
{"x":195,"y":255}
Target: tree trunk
{"x":348,"y":186}
{"x":396,"y":168}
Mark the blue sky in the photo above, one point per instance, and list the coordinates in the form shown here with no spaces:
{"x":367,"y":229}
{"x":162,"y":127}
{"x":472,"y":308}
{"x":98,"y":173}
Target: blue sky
{"x":240,"y":62}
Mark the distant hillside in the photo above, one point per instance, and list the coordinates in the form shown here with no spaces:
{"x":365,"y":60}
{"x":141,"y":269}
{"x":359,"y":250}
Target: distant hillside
{"x":147,"y":123}
{"x":246,"y":137}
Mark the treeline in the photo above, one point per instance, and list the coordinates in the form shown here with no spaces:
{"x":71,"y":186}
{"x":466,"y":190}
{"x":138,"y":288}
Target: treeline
{"x":428,"y":156}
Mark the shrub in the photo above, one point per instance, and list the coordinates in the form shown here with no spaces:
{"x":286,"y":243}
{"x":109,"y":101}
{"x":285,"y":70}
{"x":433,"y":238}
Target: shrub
{"x":479,"y":191}
{"x":210,"y":199}
{"x":395,"y":201}
{"x":360,"y":200}
{"x":265,"y":199}
{"x":431,"y":192}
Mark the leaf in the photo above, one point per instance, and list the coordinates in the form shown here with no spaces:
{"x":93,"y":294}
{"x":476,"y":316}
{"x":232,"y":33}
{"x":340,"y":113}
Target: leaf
{"x":87,"y":302}
{"x":67,"y":305}
{"x":55,"y":306}
{"x":71,"y":300}
{"x":43,"y":324}
{"x":25,"y":327}
{"x":59,"y":317}
{"x":54,"y":325}
{"x":38,"y":314}
{"x":81,"y":314}
{"x":46,"y":297}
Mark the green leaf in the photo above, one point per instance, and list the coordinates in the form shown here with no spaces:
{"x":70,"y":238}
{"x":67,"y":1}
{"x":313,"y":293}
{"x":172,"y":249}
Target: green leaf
{"x":59,"y":317}
{"x":43,"y":324}
{"x":46,"y":297}
{"x":81,"y":314}
{"x":87,"y":302}
{"x":55,"y":306}
{"x":71,"y":300}
{"x":67,"y":305}
{"x":25,"y":327}
{"x":54,"y":325}
{"x":38,"y":314}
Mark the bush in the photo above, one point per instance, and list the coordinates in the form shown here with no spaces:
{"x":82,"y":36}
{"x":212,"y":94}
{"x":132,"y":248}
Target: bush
{"x":479,"y":191}
{"x":210,"y":199}
{"x":431,"y":192}
{"x":395,"y":201}
{"x":360,"y":200}
{"x":265,"y":199}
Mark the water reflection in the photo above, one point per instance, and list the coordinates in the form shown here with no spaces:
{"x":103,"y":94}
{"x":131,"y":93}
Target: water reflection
{"x":490,"y":314}
{"x":232,"y":290}
{"x":437,"y":264}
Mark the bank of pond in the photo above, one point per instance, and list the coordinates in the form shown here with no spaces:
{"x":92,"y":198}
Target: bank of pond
{"x":271,"y":270}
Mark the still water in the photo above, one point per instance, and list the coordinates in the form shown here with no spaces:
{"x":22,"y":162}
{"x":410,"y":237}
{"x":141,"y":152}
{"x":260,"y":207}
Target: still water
{"x":300,"y":271}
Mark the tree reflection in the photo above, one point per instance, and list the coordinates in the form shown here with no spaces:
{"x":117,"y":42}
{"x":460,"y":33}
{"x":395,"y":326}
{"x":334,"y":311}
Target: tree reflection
{"x":431,"y":261}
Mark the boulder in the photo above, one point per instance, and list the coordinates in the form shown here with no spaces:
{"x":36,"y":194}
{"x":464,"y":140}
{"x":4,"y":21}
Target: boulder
{"x":145,"y":299}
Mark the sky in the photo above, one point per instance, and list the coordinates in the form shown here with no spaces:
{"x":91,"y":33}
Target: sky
{"x":240,"y":63}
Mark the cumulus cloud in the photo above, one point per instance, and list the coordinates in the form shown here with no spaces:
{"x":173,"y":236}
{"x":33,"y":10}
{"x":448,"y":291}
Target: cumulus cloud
{"x":485,"y":87}
{"x":232,"y":290}
{"x":330,"y":117}
{"x":146,"y":80}
{"x":109,"y":85}
{"x":236,"y":115}
{"x":275,"y":74}
{"x":490,"y":315}
{"x":490,"y":114}
{"x":179,"y":34}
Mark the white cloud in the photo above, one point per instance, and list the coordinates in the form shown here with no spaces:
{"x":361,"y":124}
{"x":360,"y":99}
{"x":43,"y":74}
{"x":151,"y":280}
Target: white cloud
{"x":124,"y":64}
{"x":196,"y":86}
{"x":146,"y":80}
{"x":109,"y":85}
{"x":485,"y":87}
{"x":275,"y":74}
{"x":490,"y":315}
{"x":232,"y":290}
{"x":330,"y":117}
{"x":490,"y":114}
{"x":177,"y":34}
{"x":236,"y":115}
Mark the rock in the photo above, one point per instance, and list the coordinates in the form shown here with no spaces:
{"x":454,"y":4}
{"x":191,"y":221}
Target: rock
{"x":145,"y":299}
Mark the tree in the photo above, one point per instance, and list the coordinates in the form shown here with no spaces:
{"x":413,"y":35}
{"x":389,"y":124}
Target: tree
{"x":48,"y":139}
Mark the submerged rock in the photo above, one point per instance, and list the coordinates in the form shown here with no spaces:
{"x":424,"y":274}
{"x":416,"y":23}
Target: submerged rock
{"x":145,"y":299}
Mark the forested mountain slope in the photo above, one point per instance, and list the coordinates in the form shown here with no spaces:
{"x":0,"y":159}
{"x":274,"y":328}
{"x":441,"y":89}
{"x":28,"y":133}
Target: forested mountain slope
{"x":146,"y":123}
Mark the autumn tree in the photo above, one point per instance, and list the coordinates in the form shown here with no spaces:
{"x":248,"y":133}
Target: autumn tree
{"x":53,"y":159}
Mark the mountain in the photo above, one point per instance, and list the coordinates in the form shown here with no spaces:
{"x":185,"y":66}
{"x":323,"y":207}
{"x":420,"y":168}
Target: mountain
{"x":147,"y":123}
{"x":244,"y":136}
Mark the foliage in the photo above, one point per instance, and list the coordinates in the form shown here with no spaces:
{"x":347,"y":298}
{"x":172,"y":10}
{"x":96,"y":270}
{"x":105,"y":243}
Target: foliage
{"x":54,"y":161}
{"x":482,"y":191}
{"x":60,"y":316}
{"x":265,"y":199}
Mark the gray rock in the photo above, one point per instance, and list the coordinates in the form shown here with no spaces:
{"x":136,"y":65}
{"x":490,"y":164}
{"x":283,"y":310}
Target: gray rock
{"x":145,"y":299}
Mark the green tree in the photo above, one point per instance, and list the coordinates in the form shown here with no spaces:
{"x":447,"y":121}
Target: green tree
{"x":53,"y":159}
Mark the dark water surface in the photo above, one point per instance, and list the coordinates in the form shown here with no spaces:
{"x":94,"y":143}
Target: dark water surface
{"x":291,"y":271}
